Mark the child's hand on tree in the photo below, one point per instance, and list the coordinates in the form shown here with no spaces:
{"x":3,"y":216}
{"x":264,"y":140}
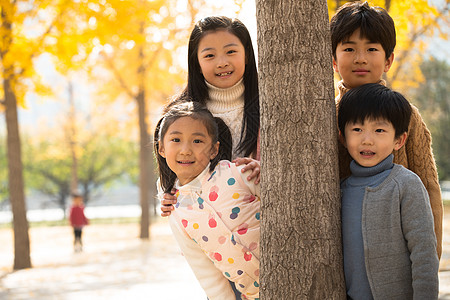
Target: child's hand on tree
{"x":251,"y":164}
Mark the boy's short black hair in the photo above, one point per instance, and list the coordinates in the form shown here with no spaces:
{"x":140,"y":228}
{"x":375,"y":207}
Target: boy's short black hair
{"x":374,"y":22}
{"x":374,"y":101}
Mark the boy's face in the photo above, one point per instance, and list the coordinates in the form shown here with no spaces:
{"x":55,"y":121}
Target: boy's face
{"x":360,"y":61}
{"x":371,"y":142}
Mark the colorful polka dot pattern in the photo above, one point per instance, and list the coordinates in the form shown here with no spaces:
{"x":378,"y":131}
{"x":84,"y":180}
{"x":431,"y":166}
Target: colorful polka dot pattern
{"x":224,"y":220}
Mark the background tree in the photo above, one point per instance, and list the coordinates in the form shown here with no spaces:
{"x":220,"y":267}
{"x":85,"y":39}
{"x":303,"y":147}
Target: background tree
{"x":48,"y":169}
{"x":17,"y":50}
{"x":103,"y":159}
{"x":432,"y":97}
{"x":300,"y":234}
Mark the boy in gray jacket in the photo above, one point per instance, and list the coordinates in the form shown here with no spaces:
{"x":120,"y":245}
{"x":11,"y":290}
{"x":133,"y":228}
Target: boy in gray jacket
{"x":389,"y":243}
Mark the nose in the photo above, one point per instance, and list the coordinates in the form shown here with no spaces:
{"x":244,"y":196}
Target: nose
{"x":222,"y":62}
{"x":367,"y":139}
{"x":185,"y":149}
{"x":360,"y":57}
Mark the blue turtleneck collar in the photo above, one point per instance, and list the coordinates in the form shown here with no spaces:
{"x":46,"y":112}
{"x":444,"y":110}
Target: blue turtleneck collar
{"x":360,"y":171}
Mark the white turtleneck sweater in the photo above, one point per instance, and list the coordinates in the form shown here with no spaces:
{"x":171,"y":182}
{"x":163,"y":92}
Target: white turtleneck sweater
{"x":228,"y":104}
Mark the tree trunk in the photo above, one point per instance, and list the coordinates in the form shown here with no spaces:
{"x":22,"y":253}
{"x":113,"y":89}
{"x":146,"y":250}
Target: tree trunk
{"x":72,"y":136}
{"x":144,"y":152}
{"x":22,"y":258}
{"x":301,"y":253}
{"x":144,"y":168}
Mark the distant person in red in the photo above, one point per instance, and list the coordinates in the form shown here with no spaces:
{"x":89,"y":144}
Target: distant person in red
{"x":78,"y":220}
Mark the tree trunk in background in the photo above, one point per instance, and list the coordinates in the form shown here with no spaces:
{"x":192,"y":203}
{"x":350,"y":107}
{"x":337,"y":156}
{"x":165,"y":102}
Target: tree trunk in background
{"x":144,"y":153}
{"x":72,"y":137}
{"x":22,"y":258}
{"x":300,"y":227}
{"x":144,"y":168}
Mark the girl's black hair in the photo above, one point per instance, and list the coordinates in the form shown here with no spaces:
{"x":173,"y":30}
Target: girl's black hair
{"x":217,"y":129}
{"x":196,"y":87}
{"x":374,"y":101}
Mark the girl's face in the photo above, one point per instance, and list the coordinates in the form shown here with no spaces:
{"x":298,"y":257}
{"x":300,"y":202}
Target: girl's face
{"x":222,"y":58}
{"x":187,"y":148}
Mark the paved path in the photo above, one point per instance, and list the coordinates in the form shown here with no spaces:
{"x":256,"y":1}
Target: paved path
{"x":115,"y":264}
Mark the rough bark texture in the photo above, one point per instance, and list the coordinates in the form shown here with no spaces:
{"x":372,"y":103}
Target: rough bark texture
{"x":301,"y":232}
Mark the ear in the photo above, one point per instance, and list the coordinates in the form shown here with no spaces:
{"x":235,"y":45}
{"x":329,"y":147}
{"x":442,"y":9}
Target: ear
{"x":388,"y":62}
{"x":400,"y":141}
{"x":335,"y":66}
{"x":214,"y":151}
{"x":342,"y":139}
{"x":161,"y":149}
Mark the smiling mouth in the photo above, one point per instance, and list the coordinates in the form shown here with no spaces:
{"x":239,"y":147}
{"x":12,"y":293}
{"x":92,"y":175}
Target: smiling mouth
{"x":224,"y":74}
{"x":367,"y":153}
{"x":185,"y":162}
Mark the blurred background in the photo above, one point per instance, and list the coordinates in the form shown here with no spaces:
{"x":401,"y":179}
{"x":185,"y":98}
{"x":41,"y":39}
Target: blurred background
{"x":89,"y":78}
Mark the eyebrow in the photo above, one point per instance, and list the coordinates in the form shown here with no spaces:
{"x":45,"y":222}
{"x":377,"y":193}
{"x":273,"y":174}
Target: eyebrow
{"x":179,"y":132}
{"x":354,"y":43}
{"x":226,"y":46}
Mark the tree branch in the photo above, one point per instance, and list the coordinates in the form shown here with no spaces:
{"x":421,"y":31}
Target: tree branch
{"x":118,"y":76}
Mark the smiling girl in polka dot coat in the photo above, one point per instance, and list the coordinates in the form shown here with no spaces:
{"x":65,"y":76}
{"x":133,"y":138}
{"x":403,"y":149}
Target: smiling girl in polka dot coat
{"x":216,"y":221}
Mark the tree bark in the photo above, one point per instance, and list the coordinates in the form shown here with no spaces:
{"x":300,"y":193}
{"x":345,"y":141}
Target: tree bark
{"x":301,"y":253}
{"x":22,"y":258}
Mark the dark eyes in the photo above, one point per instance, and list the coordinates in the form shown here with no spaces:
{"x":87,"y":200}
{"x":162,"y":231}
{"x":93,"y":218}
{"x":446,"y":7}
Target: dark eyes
{"x":351,"y":50}
{"x":177,"y":140}
{"x":210,"y":55}
{"x":376,"y":130}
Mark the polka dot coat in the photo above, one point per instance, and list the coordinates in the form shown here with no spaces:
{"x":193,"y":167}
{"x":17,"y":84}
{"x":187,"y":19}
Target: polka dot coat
{"x":220,"y":211}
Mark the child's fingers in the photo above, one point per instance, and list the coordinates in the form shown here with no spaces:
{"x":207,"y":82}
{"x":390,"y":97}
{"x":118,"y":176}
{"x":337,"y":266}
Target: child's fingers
{"x":242,"y":161}
{"x":170,"y":197}
{"x":258,"y":178}
{"x":168,"y":202}
{"x":255,"y":172}
{"x":165,"y":214}
{"x":166,"y":210}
